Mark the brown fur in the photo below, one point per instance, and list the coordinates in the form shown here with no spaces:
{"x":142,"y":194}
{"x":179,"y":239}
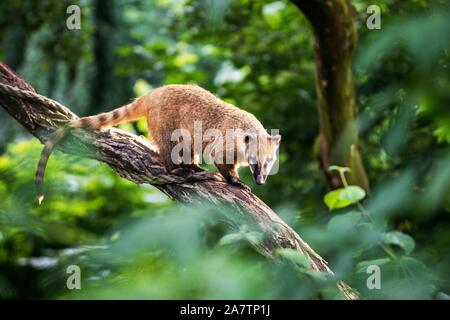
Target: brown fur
{"x":169,"y":108}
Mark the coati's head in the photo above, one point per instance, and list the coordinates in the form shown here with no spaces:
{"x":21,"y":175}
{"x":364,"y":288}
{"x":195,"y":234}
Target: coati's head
{"x":261,"y":154}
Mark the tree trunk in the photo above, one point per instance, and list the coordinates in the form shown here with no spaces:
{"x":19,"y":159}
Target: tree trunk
{"x":333,"y":23}
{"x":134,"y":159}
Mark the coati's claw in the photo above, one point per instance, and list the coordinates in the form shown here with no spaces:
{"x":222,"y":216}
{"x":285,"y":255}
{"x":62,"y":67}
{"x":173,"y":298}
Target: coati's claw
{"x":238,"y":183}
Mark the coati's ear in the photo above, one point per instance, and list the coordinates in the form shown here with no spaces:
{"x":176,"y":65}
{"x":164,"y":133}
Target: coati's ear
{"x":276,"y":139}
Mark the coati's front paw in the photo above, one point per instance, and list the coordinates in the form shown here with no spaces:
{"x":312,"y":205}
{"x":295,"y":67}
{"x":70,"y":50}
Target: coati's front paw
{"x":238,"y":183}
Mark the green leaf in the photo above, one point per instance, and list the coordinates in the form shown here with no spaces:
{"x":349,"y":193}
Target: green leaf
{"x":231,"y":238}
{"x":184,"y":59}
{"x":343,"y":223}
{"x":400,"y":239}
{"x":442,"y":296}
{"x":317,"y":276}
{"x":353,"y":194}
{"x":294,"y":257}
{"x":413,"y":267}
{"x":333,"y":199}
{"x":253,"y":237}
{"x":343,"y":197}
{"x":361,"y":267}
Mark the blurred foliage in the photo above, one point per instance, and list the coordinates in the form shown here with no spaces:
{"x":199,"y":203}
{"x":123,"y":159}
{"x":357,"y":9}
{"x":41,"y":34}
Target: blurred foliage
{"x":132,"y":242}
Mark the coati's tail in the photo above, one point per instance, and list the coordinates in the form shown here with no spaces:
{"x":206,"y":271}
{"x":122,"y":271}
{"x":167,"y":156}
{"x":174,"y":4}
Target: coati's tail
{"x":129,"y":112}
{"x":45,"y":154}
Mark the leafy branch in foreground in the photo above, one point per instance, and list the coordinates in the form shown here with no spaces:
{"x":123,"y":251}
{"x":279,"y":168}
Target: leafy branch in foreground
{"x":388,"y":241}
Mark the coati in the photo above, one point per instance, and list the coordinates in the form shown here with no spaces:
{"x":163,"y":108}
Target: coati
{"x":173,"y":107}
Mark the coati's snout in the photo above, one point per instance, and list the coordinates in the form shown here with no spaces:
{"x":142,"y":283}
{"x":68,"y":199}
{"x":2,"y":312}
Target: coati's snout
{"x":259,"y":178}
{"x":261,"y":155}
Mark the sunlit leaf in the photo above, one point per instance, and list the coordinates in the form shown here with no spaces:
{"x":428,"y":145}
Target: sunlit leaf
{"x":333,"y":199}
{"x":186,"y":58}
{"x":343,"y":197}
{"x":353,"y":194}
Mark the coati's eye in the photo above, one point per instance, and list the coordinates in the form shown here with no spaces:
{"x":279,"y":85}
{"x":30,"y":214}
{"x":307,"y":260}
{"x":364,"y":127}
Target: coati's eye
{"x":247,"y":139}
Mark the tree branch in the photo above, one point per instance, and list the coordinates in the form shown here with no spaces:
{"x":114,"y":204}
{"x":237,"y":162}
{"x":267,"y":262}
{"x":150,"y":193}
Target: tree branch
{"x":135,"y":159}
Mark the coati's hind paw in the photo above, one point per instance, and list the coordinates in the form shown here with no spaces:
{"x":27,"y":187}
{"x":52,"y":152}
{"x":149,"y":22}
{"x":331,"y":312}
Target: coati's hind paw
{"x":238,"y":183}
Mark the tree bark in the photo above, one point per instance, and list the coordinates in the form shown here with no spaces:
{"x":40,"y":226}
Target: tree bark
{"x":135,"y":159}
{"x":334,"y":27}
